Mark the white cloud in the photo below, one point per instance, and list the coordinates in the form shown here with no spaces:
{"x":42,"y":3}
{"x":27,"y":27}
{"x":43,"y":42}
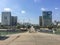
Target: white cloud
{"x":7,"y":9}
{"x":56,"y":8}
{"x":36,"y":1}
{"x":23,"y":11}
{"x":43,"y":9}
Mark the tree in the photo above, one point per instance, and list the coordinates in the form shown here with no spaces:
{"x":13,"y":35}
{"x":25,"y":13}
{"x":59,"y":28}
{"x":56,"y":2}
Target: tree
{"x":18,"y":26}
{"x":28,"y":26}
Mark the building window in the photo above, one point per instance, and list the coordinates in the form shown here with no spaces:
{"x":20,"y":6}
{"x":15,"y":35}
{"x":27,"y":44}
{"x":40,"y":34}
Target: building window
{"x":5,"y":17}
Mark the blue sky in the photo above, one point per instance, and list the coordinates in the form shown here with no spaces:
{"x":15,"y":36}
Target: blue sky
{"x":30,"y":10}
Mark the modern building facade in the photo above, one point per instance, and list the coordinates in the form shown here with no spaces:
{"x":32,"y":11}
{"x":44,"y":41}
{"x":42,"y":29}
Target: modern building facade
{"x":40,"y":20}
{"x":47,"y":18}
{"x":13,"y":20}
{"x":6,"y":18}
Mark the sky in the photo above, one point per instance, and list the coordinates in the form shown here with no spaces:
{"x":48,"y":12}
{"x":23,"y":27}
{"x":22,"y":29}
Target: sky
{"x":30,"y":10}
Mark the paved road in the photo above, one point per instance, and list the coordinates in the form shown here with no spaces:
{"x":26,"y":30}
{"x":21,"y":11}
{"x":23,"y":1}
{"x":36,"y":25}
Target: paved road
{"x":32,"y":39}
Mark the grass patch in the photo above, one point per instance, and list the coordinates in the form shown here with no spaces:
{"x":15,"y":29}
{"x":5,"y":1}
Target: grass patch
{"x":58,"y":31}
{"x":10,"y":32}
{"x":6,"y":33}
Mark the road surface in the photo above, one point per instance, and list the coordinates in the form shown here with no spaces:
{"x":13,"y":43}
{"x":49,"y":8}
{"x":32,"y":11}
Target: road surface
{"x":32,"y":39}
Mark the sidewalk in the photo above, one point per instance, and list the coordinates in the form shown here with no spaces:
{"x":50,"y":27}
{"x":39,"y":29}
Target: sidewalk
{"x":32,"y":39}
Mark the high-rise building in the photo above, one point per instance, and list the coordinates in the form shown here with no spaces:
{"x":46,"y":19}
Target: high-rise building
{"x":40,"y":20}
{"x":6,"y":18}
{"x":13,"y":20}
{"x":47,"y":18}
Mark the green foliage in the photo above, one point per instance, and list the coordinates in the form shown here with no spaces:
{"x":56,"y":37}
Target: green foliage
{"x":28,"y":26}
{"x":18,"y":26}
{"x":37,"y":27}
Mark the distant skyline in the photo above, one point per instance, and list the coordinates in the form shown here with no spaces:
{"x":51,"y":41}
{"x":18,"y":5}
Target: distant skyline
{"x":30,"y":10}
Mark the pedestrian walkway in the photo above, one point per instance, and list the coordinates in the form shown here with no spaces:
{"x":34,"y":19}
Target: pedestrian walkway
{"x":32,"y":39}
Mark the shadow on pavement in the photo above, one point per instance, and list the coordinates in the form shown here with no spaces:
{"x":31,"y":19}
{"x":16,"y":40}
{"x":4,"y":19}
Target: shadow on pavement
{"x":3,"y":37}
